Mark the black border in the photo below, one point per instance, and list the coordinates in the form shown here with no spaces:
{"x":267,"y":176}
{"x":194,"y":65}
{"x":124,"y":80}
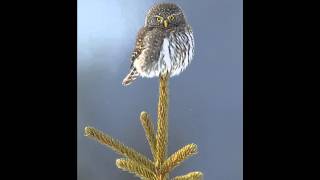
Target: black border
{"x":255,"y":80}
{"x":270,"y":97}
{"x":41,"y":127}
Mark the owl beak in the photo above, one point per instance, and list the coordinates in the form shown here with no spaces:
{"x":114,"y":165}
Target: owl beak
{"x":165,"y":23}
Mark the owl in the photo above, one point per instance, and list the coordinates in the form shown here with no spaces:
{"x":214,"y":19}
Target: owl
{"x":165,"y":44}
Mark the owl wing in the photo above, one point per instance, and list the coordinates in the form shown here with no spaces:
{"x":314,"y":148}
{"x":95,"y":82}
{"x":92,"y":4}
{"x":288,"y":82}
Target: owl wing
{"x":149,"y":41}
{"x":139,"y":46}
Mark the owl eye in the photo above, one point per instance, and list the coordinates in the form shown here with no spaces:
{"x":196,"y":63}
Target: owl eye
{"x":171,"y":18}
{"x":159,"y":19}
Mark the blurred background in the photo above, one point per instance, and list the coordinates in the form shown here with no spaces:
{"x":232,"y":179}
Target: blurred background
{"x":205,"y":100}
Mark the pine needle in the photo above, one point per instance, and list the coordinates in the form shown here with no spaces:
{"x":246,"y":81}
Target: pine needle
{"x":162,"y":131}
{"x":196,"y":175}
{"x":176,"y":158}
{"x":147,"y":124}
{"x":118,"y":147}
{"x":139,"y":164}
{"x":135,"y":168}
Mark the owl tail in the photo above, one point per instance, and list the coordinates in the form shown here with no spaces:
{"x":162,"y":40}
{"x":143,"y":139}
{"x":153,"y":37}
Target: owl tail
{"x":133,"y":75}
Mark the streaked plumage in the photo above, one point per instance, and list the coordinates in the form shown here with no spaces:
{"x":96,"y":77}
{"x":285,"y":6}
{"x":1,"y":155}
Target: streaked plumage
{"x":164,"y":44}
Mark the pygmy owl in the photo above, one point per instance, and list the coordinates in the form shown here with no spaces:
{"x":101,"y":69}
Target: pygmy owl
{"x":164,"y":45}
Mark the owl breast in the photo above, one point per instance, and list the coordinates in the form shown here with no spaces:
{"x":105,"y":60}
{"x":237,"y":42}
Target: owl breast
{"x":175,"y":55}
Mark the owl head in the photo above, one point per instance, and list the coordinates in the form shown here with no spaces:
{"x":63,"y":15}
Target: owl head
{"x":165,"y":15}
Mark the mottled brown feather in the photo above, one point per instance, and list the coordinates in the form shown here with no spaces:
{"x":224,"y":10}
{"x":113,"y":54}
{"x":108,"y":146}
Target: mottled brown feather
{"x":147,"y":49}
{"x":139,"y":46}
{"x":161,"y":48}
